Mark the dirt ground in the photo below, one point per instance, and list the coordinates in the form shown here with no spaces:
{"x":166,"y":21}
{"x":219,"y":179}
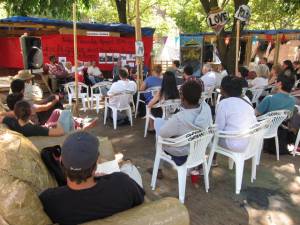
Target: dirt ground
{"x":273,"y":199}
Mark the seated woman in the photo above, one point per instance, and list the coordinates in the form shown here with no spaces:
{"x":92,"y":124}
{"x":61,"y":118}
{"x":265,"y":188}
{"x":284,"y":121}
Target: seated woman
{"x":262,"y":72}
{"x":152,"y":81}
{"x":64,"y":117}
{"x":234,"y":113}
{"x":168,"y":91}
{"x":275,"y":71}
{"x":21,"y":122}
{"x":193,"y":116}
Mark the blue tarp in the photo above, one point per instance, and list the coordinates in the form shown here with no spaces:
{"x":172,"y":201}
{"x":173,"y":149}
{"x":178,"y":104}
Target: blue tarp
{"x":112,"y":27}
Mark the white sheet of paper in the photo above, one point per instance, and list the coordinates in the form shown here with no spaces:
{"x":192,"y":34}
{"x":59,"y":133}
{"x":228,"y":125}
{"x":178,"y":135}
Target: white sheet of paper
{"x":108,"y":167}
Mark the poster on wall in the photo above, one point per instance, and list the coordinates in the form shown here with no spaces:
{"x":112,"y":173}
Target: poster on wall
{"x":191,"y":48}
{"x":102,"y":58}
{"x":109,"y":58}
{"x":62,"y":60}
{"x":116,"y":57}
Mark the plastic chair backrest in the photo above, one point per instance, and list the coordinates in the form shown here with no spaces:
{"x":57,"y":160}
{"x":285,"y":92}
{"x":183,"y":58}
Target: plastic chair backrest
{"x":257,"y":92}
{"x":122,"y":100}
{"x":276,"y":118}
{"x":197,"y":140}
{"x":71,"y":88}
{"x":255,"y":137}
{"x":98,"y":87}
{"x":169,"y":107}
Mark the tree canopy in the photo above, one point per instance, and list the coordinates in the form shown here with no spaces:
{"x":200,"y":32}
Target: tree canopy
{"x":187,"y":16}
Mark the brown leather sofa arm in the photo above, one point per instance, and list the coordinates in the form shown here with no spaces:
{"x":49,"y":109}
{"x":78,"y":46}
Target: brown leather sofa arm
{"x":167,"y":211}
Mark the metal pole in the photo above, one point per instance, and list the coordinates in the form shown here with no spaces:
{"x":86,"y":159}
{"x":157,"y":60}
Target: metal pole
{"x":76,"y":110}
{"x":138,"y":37}
{"x":238,"y":25}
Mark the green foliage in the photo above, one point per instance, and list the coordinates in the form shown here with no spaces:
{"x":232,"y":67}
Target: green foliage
{"x":61,"y":9}
{"x":186,"y":16}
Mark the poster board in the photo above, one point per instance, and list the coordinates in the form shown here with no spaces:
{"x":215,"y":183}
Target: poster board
{"x":191,"y":49}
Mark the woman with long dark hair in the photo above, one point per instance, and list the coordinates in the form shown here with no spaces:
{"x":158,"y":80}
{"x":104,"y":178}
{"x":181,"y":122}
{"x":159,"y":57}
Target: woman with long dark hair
{"x":168,"y":91}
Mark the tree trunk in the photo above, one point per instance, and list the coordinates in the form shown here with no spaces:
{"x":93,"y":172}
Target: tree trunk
{"x":226,"y":52}
{"x":121,"y":7}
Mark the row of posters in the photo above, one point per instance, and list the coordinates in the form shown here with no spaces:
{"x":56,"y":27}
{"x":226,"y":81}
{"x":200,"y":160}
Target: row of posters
{"x":115,"y":57}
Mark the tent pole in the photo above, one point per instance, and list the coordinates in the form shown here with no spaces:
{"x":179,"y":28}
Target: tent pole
{"x":237,"y":46}
{"x":138,"y":37}
{"x":76,"y":110}
{"x":277,"y":49}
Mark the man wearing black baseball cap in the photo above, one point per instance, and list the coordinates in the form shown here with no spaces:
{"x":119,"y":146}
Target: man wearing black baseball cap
{"x":85,"y":197}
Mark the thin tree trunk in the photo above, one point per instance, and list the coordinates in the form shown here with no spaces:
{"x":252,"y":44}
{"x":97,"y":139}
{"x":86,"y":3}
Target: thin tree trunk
{"x":121,"y":7}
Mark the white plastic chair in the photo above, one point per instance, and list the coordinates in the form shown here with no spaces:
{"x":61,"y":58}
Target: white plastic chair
{"x":123,"y":101}
{"x":254,"y":135}
{"x":256,"y":92}
{"x":83,"y":95}
{"x":198,"y":141}
{"x":276,"y":118}
{"x":296,"y":143}
{"x":96,"y":94}
{"x":168,"y":108}
{"x":152,"y":90}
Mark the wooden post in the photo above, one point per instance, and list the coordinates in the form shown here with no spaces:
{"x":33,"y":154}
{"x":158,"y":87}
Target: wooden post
{"x":248,"y":51}
{"x":277,"y":49}
{"x":138,"y":37}
{"x":76,"y":110}
{"x":237,"y":45}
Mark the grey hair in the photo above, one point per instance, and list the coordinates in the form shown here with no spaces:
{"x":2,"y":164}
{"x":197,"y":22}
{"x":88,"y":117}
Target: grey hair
{"x":207,"y":66}
{"x":262,"y":70}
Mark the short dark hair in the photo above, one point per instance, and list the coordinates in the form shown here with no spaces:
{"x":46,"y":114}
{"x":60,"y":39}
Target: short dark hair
{"x":22,"y":110}
{"x":191,"y":92}
{"x":244,"y":71}
{"x":176,"y":63}
{"x":17,"y":86}
{"x":79,"y":176}
{"x":289,"y":64}
{"x":123,"y":72}
{"x":157,"y":68}
{"x":287,"y":81}
{"x":51,"y":57}
{"x":12,"y":99}
{"x":232,"y":86}
{"x":188,"y":70}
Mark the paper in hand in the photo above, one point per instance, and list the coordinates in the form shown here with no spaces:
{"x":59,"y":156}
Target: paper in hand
{"x":108,"y":167}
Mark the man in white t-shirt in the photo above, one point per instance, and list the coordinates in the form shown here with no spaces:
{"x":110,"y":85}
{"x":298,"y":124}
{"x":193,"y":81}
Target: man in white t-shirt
{"x":121,"y":86}
{"x":209,"y":77}
{"x":94,"y":72}
{"x":234,"y":113}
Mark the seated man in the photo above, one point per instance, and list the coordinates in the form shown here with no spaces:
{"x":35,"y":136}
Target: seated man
{"x":21,"y":122}
{"x":94,"y":73}
{"x":44,"y":108}
{"x":234,"y":113}
{"x":188,"y":73}
{"x":86,"y":197}
{"x":121,"y":86}
{"x":193,"y":116}
{"x":282,"y":99}
{"x":209,"y":77}
{"x":32,"y":92}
